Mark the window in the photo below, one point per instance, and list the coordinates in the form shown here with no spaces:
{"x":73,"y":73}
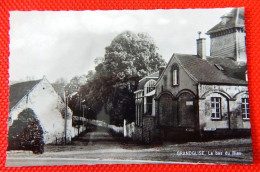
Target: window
{"x":175,"y":77}
{"x":139,"y":97}
{"x":245,"y":108}
{"x":149,"y":86}
{"x":215,"y":108}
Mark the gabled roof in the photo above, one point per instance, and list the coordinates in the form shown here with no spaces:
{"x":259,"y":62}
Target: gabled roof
{"x":206,"y":72}
{"x":236,"y":18}
{"x":19,"y":90}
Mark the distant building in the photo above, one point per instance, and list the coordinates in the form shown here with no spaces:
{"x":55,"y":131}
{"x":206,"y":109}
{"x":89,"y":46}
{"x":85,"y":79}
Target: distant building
{"x":228,"y":37}
{"x":196,"y":95}
{"x":145,"y":105}
{"x":38,"y":100}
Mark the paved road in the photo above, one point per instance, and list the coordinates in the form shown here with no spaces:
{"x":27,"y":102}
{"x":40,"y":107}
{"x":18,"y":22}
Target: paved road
{"x":100,"y":147}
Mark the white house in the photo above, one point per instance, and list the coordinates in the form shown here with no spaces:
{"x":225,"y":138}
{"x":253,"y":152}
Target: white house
{"x":48,"y":107}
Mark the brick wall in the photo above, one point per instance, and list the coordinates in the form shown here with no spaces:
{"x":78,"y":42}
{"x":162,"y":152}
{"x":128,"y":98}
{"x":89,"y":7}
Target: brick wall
{"x":146,"y":132}
{"x":137,"y":136}
{"x":148,"y":129}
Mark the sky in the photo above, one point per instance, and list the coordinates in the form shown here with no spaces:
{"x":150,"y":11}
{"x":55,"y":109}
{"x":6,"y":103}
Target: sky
{"x":63,"y":44}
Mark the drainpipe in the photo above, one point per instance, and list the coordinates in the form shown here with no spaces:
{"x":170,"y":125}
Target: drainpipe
{"x":229,"y":114}
{"x":198,"y":110}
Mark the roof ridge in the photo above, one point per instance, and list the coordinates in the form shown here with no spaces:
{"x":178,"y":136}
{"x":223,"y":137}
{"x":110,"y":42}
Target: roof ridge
{"x":25,"y":82}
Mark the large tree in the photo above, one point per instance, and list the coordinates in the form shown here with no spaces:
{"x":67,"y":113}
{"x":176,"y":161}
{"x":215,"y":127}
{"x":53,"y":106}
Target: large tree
{"x":130,"y":55}
{"x":128,"y":58}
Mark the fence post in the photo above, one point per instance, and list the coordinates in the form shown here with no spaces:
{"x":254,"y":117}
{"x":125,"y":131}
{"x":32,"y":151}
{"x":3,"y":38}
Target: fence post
{"x":124,"y":128}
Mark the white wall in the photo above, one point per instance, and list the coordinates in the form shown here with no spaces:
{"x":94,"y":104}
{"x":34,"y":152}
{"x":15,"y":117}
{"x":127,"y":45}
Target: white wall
{"x":47,"y":106}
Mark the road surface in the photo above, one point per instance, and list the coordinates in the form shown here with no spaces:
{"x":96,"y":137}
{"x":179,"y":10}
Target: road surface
{"x":100,"y":147}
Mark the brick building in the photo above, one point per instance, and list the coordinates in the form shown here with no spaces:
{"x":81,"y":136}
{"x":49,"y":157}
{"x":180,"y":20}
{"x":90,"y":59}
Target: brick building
{"x":198,"y":94}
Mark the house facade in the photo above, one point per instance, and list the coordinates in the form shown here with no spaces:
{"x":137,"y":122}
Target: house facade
{"x":44,"y":105}
{"x":145,"y":107}
{"x":198,"y":95}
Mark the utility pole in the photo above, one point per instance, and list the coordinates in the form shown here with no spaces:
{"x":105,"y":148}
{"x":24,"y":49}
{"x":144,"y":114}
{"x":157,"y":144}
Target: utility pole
{"x":66,"y":114}
{"x":84,"y":107}
{"x":65,"y":118}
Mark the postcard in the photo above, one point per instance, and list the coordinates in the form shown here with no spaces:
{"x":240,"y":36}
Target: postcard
{"x":128,"y":87}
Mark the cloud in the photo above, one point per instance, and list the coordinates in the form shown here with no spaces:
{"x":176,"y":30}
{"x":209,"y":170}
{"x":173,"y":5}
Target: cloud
{"x":65,"y":43}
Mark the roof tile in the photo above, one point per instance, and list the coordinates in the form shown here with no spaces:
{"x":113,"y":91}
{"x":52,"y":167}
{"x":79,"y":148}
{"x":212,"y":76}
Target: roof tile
{"x":205,"y":71}
{"x":19,"y":90}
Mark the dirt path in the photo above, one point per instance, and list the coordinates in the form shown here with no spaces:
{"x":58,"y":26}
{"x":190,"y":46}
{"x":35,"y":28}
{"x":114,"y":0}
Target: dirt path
{"x":99,"y":147}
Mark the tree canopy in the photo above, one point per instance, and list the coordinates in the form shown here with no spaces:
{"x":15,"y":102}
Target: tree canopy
{"x":127,"y":59}
{"x":130,"y":55}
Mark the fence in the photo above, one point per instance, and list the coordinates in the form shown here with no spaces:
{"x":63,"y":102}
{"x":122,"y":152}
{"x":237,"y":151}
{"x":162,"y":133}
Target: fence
{"x":127,"y":130}
{"x":116,"y":129}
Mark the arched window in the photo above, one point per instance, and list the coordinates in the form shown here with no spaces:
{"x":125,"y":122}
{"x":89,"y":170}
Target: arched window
{"x":149,"y":86}
{"x":175,"y":75}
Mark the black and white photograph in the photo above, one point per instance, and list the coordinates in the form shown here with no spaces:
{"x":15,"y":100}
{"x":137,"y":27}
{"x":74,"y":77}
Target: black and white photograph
{"x":128,"y":87}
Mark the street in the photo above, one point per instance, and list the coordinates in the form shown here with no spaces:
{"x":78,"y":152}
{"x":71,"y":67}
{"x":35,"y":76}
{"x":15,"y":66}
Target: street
{"x":100,"y":147}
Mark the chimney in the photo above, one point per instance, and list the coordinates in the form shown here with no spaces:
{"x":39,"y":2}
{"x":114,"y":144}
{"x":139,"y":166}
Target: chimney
{"x":161,"y":68}
{"x":201,"y":47}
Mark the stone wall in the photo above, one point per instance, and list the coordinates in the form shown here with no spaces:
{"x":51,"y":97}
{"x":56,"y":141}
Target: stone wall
{"x":231,"y":113}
